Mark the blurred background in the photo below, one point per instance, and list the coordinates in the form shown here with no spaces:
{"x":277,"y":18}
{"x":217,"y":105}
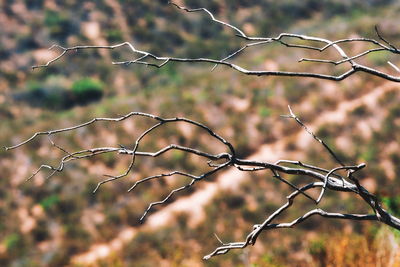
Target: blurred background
{"x":59,"y":222}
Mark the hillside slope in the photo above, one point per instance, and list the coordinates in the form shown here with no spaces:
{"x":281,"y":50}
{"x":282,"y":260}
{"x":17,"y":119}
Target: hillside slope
{"x":60,"y":222}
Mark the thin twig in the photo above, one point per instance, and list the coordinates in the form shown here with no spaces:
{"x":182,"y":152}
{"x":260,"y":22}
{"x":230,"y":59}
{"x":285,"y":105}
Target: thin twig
{"x":293,"y":116}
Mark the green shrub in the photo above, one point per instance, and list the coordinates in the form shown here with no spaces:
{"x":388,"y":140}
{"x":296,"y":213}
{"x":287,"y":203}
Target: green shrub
{"x":378,"y":58}
{"x":54,"y":95}
{"x":392,"y":204}
{"x":264,"y":112}
{"x":58,"y":23}
{"x":51,"y":98}
{"x":114,"y":36}
{"x":370,"y":153}
{"x":87,"y":90}
{"x":47,"y":95}
{"x":12,"y":241}
{"x":234,"y":201}
{"x":49,"y":201}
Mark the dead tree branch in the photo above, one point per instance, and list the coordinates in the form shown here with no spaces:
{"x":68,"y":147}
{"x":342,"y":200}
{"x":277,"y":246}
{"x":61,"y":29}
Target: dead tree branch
{"x":323,"y":178}
{"x":148,"y":59}
{"x":318,"y":177}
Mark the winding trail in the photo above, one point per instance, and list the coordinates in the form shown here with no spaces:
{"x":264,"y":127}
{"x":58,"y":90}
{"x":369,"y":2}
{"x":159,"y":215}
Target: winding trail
{"x":194,"y":204}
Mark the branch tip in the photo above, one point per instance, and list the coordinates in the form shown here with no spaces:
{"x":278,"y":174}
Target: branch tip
{"x":394,"y":66}
{"x":219,"y":240}
{"x":361,"y":166}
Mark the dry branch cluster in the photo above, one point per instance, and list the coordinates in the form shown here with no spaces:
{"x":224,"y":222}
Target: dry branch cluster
{"x":325,"y":179}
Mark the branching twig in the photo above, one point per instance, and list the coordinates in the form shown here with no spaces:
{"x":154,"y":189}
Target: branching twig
{"x":143,"y":56}
{"x":325,"y":179}
{"x":268,"y":225}
{"x":293,"y":116}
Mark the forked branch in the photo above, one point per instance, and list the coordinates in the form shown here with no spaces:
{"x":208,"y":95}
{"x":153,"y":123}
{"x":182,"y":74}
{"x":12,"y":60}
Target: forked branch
{"x":289,"y":40}
{"x":318,"y":177}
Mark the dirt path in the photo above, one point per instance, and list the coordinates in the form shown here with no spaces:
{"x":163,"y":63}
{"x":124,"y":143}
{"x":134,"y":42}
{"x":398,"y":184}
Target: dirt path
{"x":231,"y":179}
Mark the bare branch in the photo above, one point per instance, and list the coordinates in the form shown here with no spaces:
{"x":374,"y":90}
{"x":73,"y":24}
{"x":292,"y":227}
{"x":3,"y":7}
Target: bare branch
{"x":315,"y":176}
{"x":268,"y":225}
{"x":87,"y":153}
{"x":257,"y":41}
{"x":211,"y":16}
{"x":394,"y":66}
{"x":383,"y":39}
{"x":196,"y":178}
{"x":326,"y":179}
{"x":352,"y":168}
{"x":293,"y":116}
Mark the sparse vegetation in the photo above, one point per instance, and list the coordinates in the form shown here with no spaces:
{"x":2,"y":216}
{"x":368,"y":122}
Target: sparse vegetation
{"x":70,"y":220}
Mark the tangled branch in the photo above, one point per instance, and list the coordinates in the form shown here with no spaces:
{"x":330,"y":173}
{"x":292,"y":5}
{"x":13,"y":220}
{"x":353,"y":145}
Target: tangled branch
{"x":148,"y":59}
{"x":322,"y":178}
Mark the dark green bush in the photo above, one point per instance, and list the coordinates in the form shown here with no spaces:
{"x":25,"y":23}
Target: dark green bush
{"x":87,"y":90}
{"x":34,"y":4}
{"x":114,"y":36}
{"x":393,"y":204}
{"x":50,"y":201}
{"x":58,"y":23}
{"x":234,"y":201}
{"x":54,"y":97}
